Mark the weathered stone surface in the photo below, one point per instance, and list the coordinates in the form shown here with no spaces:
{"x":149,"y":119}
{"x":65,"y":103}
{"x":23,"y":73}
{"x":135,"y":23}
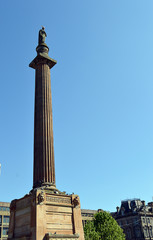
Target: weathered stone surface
{"x":44,"y":167}
{"x":20,"y":218}
{"x":40,"y":219}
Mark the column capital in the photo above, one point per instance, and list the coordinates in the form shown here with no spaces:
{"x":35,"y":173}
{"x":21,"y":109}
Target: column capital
{"x":41,"y":59}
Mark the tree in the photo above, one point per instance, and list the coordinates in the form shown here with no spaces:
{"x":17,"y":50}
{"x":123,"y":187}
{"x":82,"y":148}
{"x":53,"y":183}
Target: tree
{"x":104,"y":227}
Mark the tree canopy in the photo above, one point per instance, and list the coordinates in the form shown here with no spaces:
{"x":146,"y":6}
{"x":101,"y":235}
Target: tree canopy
{"x":104,"y":227}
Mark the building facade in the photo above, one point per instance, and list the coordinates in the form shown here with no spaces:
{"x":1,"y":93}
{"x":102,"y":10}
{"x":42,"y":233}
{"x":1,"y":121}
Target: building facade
{"x":87,"y":215}
{"x":4,"y":220}
{"x":136,"y":219}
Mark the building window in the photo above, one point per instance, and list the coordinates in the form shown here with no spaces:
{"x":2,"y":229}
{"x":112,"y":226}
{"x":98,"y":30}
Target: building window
{"x":5,"y":231}
{"x":120,"y":223}
{"x":137,"y":232}
{"x":0,"y":219}
{"x":6,"y":219}
{"x":150,"y":231}
{"x":145,"y":232}
{"x":127,"y":222}
{"x":148,"y":220}
{"x":135,"y":220}
{"x":122,"y":212}
{"x":143,"y":220}
{"x":4,"y":209}
{"x":128,"y":233}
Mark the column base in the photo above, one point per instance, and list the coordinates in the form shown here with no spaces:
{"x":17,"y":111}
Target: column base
{"x":45,"y":214}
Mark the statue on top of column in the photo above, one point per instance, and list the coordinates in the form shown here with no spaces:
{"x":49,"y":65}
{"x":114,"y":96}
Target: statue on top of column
{"x":42,"y":36}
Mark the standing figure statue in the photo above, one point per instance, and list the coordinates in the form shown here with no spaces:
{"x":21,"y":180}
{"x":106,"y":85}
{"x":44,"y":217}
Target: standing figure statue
{"x":42,"y":36}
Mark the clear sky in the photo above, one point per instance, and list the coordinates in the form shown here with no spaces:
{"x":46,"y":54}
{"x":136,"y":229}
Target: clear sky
{"x":102,"y":95}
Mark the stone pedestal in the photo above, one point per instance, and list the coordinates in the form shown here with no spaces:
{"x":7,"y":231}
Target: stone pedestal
{"x":46,"y":214}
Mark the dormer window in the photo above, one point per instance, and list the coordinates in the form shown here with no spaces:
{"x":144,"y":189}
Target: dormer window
{"x":122,"y":212}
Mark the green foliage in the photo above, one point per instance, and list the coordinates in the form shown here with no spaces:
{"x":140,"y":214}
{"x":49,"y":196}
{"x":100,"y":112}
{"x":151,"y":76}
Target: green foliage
{"x":103,"y":227}
{"x":90,"y":232}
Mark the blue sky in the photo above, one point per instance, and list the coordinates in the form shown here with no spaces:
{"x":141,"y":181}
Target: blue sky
{"x":102,"y":95}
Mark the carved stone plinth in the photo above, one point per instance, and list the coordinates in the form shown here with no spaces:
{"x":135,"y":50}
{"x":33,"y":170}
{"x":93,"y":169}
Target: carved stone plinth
{"x":43,"y":214}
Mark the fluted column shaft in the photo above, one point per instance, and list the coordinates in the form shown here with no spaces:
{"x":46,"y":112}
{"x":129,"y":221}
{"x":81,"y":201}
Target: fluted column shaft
{"x":44,"y":167}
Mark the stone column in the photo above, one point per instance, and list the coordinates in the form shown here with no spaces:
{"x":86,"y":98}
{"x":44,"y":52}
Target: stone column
{"x":44,"y":166}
